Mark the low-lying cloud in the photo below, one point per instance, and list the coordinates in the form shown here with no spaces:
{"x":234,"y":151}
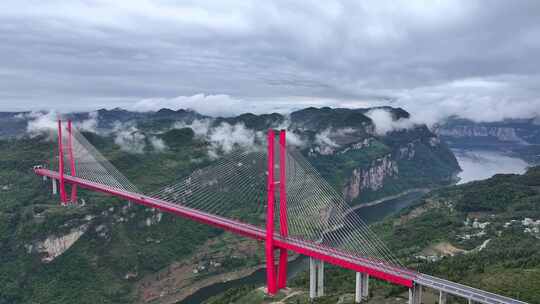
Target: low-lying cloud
{"x":46,"y":123}
{"x":40,"y":123}
{"x":225,"y":137}
{"x":126,"y":135}
{"x":384,"y":122}
{"x":132,"y":140}
{"x":129,"y":138}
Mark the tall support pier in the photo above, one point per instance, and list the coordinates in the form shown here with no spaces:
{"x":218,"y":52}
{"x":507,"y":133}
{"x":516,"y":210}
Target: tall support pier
{"x":415,"y":294}
{"x":316,"y":278}
{"x":362,"y":287}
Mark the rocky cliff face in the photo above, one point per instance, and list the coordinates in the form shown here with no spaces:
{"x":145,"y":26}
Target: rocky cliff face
{"x":506,"y":134}
{"x":372,"y":177}
{"x":365,"y":165}
{"x":54,"y":245}
{"x":511,"y":131}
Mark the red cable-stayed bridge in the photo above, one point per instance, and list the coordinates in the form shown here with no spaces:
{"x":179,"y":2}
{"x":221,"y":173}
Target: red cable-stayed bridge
{"x":313,"y":219}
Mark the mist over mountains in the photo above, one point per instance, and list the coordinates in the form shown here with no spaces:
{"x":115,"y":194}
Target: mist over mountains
{"x":374,"y":151}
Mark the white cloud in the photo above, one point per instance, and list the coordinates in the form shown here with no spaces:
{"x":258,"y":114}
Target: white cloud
{"x":324,"y":142}
{"x":129,"y":138}
{"x":477,"y":99}
{"x":42,"y":123}
{"x":157,"y":143}
{"x":200,"y":127}
{"x":291,"y":137}
{"x":434,"y":60}
{"x":385,"y":123}
{"x":89,"y":124}
{"x":226,"y":137}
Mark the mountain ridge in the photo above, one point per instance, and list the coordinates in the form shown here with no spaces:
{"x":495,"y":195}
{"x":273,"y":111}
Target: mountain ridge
{"x":115,"y":246}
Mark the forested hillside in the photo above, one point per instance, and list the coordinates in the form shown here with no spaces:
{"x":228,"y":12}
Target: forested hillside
{"x":108,"y":251}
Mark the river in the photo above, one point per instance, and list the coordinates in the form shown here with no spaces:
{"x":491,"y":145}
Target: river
{"x":481,"y":164}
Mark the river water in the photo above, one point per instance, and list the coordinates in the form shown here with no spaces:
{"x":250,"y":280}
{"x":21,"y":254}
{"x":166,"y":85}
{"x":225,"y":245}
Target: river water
{"x":480,"y":164}
{"x":476,"y":165}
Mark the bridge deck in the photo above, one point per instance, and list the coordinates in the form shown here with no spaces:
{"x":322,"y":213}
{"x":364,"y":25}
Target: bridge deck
{"x":377,"y":269}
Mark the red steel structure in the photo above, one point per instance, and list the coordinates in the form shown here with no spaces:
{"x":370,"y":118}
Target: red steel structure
{"x":273,"y":286}
{"x":72,"y":162}
{"x":393,"y":274}
{"x":283,"y":229}
{"x":273,"y":240}
{"x":270,"y":268}
{"x":63,"y":196}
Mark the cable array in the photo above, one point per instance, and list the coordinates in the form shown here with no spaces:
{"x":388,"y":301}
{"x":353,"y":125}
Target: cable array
{"x":318,"y":213}
{"x":235,"y":186}
{"x":90,"y":164}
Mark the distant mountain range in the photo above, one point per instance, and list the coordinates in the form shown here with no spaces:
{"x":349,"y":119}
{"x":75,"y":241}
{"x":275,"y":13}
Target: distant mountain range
{"x":520,"y":137}
{"x":343,"y":144}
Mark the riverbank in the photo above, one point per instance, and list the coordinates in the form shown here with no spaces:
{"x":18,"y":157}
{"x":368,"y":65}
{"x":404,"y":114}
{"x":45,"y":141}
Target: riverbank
{"x":390,"y":197}
{"x":191,"y":289}
{"x":296,"y":264}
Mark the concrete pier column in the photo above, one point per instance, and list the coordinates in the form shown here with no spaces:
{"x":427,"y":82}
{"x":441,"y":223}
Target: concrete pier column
{"x":54,"y":186}
{"x":362,"y":287}
{"x":415,"y":294}
{"x":316,"y":278}
{"x":365,"y":285}
{"x":471,"y":301}
{"x":320,"y":278}
{"x":442,"y":297}
{"x":358,"y":288}
{"x":312,"y":278}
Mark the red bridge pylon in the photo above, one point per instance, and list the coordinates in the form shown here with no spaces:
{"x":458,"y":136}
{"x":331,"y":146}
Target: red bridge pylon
{"x":272,"y":284}
{"x":62,"y":184}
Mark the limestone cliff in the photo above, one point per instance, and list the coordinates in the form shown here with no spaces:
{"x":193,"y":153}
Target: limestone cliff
{"x":507,"y":134}
{"x":54,"y":245}
{"x":372,"y":177}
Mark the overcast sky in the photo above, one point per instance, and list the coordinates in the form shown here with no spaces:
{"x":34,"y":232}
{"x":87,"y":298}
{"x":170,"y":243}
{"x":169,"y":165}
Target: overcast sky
{"x":477,"y":59}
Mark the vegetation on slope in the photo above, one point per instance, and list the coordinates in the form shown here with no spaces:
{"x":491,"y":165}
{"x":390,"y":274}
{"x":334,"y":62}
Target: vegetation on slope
{"x":481,"y":234}
{"x":119,"y":247}
{"x":94,"y":269}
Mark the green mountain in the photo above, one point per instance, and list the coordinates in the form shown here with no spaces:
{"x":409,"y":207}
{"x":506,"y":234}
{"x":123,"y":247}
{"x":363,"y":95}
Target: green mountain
{"x":104,"y":250}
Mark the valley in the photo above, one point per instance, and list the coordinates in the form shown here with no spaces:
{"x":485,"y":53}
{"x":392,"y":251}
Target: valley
{"x":127,"y":254}
{"x":269,"y":152}
{"x":484,"y":234}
